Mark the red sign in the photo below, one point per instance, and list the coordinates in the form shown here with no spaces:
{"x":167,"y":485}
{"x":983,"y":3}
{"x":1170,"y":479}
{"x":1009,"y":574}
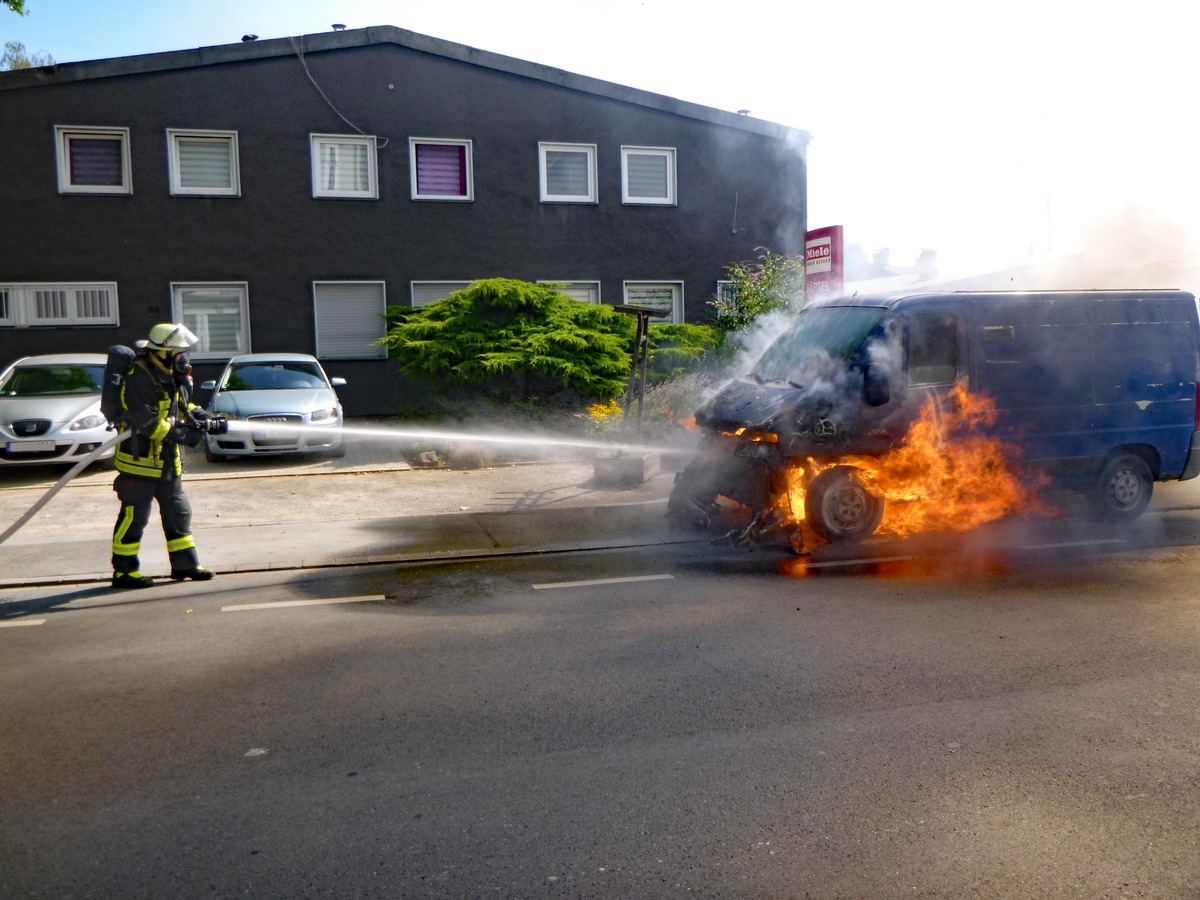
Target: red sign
{"x":824,"y":263}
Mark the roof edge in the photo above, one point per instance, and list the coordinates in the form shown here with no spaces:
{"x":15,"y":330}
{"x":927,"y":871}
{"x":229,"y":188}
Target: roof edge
{"x":65,"y":73}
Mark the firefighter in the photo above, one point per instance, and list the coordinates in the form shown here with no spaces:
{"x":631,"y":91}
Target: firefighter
{"x":156,"y":397}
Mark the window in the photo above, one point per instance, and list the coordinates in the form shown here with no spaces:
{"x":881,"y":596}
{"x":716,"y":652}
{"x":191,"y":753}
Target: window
{"x":648,"y":175}
{"x":30,"y":305}
{"x":93,"y":160}
{"x":203,"y":163}
{"x":344,"y":166}
{"x":932,"y":347}
{"x":441,"y":169}
{"x":349,"y":319}
{"x":585,"y":291}
{"x":217,"y":313}
{"x":726,"y":291}
{"x":664,"y":295}
{"x":426,"y":292}
{"x":568,"y":173}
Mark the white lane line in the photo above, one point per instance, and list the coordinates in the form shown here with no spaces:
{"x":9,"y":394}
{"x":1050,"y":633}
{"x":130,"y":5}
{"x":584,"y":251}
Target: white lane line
{"x":20,"y":622}
{"x":596,"y":581}
{"x":1059,"y":546}
{"x":280,"y":604}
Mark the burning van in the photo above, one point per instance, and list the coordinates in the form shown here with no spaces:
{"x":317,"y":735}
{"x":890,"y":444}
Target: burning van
{"x":932,"y":412}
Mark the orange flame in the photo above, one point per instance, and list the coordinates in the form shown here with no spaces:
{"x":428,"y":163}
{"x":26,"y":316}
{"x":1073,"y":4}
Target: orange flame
{"x":946,"y":475}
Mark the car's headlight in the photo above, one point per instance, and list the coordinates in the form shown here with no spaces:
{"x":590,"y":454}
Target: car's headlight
{"x":320,"y":415}
{"x":87,"y":422}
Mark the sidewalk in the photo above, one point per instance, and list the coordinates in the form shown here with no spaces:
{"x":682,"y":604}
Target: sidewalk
{"x":369,"y":507}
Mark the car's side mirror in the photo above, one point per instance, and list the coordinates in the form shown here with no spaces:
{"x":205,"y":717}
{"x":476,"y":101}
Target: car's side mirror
{"x":209,"y":385}
{"x":877,"y":391}
{"x":338,"y":382}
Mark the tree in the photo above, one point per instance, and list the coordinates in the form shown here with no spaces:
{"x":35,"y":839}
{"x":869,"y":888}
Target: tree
{"x":514,"y":341}
{"x":15,"y":56}
{"x":17,"y":6}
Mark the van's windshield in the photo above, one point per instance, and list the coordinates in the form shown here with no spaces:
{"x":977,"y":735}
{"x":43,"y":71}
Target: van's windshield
{"x":836,"y":331}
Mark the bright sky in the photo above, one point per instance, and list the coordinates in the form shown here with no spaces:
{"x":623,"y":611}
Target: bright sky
{"x":989,"y":132}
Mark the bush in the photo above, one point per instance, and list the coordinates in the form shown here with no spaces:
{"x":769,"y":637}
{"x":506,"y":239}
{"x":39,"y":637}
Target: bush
{"x":512,"y":341}
{"x":679,"y":350}
{"x":773,"y":283}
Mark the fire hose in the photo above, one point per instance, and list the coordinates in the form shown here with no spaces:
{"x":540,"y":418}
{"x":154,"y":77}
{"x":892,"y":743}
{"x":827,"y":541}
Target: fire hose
{"x":60,"y":484}
{"x":209,"y":424}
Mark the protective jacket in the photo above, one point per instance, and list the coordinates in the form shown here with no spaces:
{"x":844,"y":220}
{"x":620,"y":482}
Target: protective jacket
{"x":153,"y":402}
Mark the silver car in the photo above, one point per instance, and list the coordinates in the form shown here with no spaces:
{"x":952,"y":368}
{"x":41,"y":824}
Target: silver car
{"x":276,"y":403}
{"x":50,"y":409}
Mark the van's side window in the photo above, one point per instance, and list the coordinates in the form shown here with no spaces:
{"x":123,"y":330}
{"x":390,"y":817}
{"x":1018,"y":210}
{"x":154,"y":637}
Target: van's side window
{"x":932,"y":347}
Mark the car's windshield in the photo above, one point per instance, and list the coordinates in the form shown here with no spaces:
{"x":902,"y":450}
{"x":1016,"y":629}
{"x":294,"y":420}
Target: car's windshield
{"x":35,"y":380}
{"x":832,"y":332}
{"x":273,"y":376}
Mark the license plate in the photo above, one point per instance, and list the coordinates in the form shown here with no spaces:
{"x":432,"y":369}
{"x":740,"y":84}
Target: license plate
{"x":31,"y":446}
{"x":260,"y":436}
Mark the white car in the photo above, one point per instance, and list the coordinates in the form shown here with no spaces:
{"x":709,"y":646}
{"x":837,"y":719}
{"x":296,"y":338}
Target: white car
{"x":284,"y":402}
{"x":50,"y":409}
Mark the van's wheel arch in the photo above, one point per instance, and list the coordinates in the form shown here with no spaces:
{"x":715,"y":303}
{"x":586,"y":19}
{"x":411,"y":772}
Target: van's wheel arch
{"x":1124,"y":488}
{"x":839,"y":507}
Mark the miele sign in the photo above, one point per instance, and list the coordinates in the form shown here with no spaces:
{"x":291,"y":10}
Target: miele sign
{"x":824,"y":263}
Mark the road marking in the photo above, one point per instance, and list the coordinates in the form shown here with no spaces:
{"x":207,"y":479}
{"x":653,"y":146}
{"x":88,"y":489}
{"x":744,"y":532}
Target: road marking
{"x":19,"y":622}
{"x":596,"y":581}
{"x":1059,"y":546}
{"x":280,"y":604}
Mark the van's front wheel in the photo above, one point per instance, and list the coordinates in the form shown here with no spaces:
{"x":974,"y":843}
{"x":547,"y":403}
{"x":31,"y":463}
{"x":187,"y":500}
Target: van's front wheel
{"x":839,"y":507}
{"x":1123,"y":490}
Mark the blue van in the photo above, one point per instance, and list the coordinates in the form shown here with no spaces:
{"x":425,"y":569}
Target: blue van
{"x":1098,"y":389}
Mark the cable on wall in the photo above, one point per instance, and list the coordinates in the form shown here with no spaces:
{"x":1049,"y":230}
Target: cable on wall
{"x":380,"y":143}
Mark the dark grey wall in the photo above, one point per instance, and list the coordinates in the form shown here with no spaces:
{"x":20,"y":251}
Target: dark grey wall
{"x":279,"y":239}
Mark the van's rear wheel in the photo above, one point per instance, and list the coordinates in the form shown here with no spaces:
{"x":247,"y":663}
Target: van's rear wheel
{"x":839,"y":508}
{"x":1123,"y":490}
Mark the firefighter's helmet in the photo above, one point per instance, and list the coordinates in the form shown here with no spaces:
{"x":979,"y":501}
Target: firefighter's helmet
{"x":170,"y":337}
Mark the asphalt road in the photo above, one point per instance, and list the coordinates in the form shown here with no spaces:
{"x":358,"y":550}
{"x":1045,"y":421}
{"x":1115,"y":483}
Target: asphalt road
{"x":684,"y":721}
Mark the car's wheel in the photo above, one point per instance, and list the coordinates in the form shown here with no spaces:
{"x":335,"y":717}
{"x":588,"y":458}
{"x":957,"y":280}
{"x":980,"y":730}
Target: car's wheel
{"x":1124,"y":488}
{"x":839,"y":507}
{"x":339,"y":451}
{"x":212,"y":456}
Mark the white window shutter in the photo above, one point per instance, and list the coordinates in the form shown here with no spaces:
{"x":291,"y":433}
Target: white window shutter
{"x":349,"y":319}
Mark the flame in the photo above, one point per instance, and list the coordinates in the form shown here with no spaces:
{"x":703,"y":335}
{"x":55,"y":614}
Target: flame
{"x":946,"y":475}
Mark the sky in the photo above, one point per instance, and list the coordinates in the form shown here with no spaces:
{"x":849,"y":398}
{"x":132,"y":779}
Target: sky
{"x":991,"y":133}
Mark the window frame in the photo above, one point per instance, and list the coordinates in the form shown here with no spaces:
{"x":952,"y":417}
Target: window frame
{"x":64,"y":134}
{"x":590,"y":150}
{"x":468,"y":166}
{"x":667,"y":153}
{"x":372,"y":349}
{"x":677,"y":297}
{"x":175,"y":169}
{"x":20,"y":308}
{"x":317,"y":139}
{"x":179,"y":314}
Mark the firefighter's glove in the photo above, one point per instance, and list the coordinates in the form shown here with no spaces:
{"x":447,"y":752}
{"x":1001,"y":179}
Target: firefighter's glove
{"x":187,"y":435}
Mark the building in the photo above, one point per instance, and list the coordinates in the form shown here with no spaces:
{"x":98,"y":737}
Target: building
{"x":277,"y":195}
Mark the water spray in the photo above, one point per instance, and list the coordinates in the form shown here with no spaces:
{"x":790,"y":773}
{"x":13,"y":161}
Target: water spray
{"x":422,"y":434}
